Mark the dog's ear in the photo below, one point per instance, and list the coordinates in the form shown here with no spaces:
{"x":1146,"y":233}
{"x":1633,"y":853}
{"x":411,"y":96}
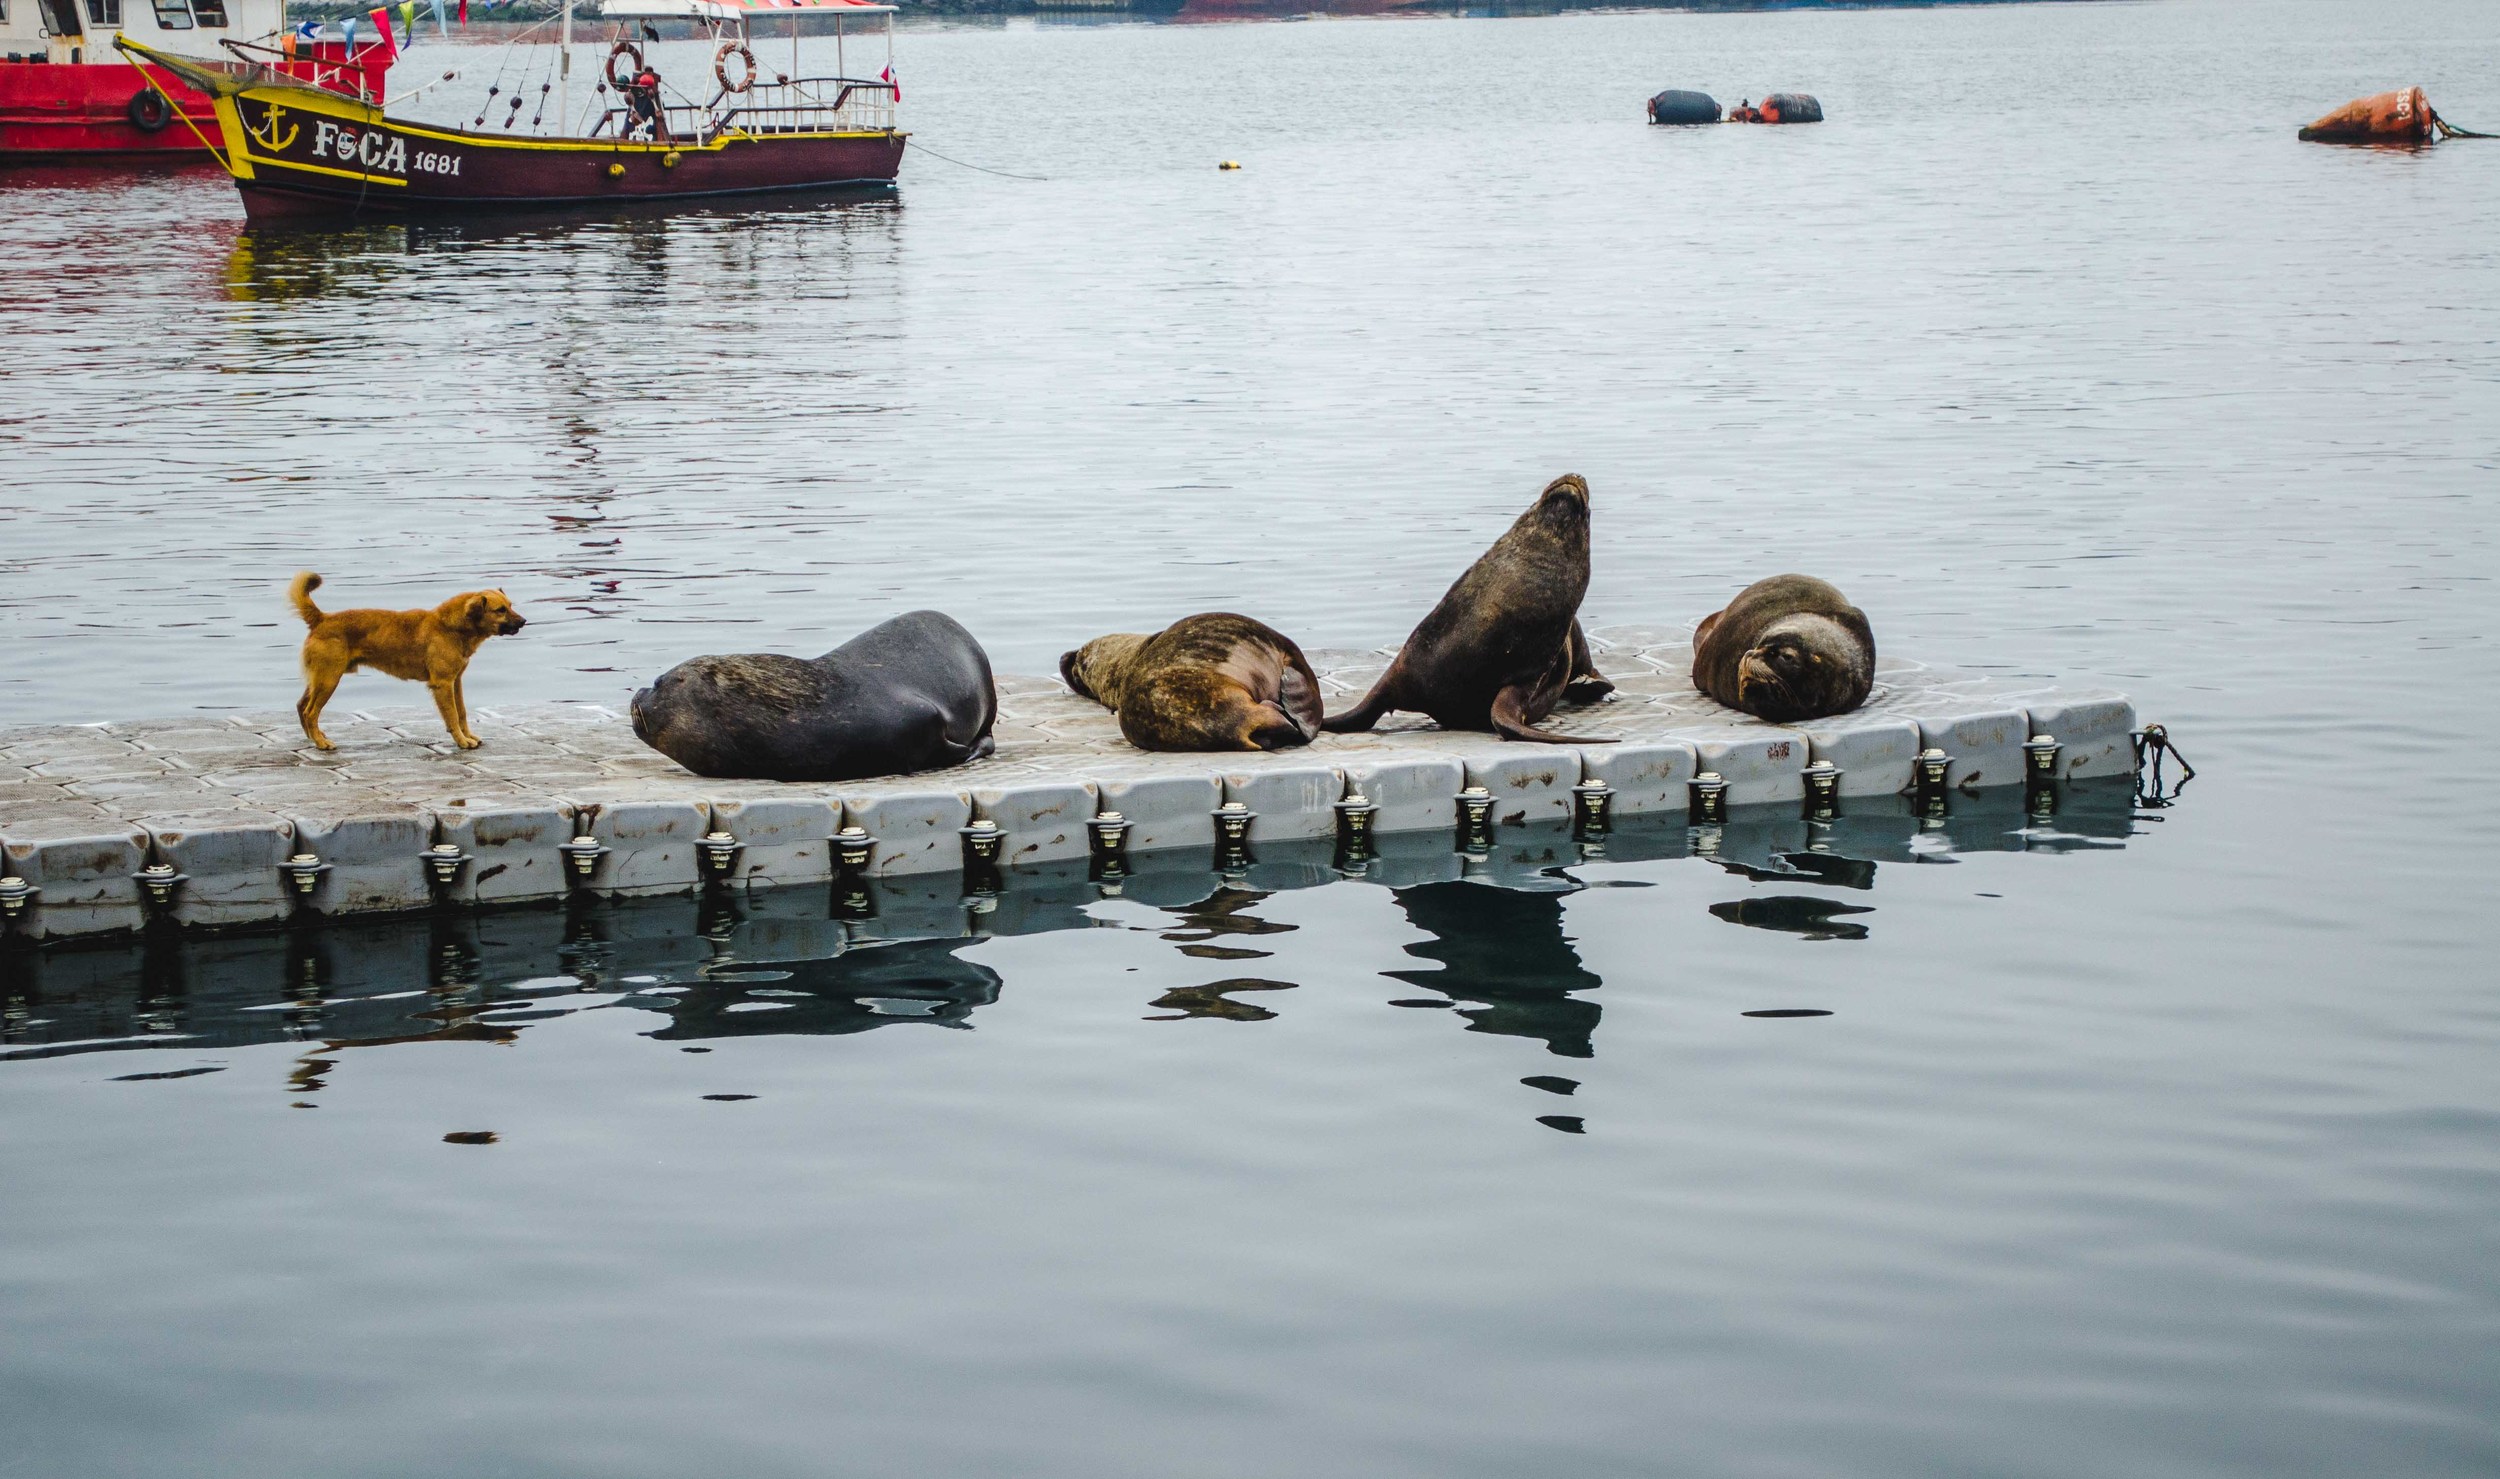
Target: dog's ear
{"x":473,"y":610}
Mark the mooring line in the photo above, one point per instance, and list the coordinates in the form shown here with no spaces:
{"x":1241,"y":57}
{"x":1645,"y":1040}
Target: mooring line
{"x":983,"y":168}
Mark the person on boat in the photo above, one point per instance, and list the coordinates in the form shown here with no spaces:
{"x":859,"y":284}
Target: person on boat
{"x":642,"y":102}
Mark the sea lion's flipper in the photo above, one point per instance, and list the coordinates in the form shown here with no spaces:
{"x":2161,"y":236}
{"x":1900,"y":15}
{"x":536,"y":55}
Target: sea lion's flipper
{"x":1367,"y":713}
{"x":1510,"y":721}
{"x":1271,"y":727}
{"x":1587,"y":684}
{"x":1298,"y":691}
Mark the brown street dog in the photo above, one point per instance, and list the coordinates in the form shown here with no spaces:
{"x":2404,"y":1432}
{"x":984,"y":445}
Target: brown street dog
{"x":1504,"y":646}
{"x":428,"y":647}
{"x":1215,"y":681}
{"x":1788,"y":648}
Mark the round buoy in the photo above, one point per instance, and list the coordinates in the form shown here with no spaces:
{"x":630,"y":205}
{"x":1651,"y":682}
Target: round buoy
{"x":1792,"y":107}
{"x":2399,"y":117}
{"x":1676,"y":105}
{"x":1230,"y":164}
{"x":669,"y":160}
{"x":616,"y":171}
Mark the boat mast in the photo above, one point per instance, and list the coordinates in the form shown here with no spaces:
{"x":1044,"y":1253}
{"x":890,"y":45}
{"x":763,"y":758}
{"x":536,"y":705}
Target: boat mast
{"x":564,"y":71}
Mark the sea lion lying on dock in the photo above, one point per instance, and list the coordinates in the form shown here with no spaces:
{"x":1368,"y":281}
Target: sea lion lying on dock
{"x":1504,"y":645}
{"x":914,"y":693}
{"x":1215,"y":681}
{"x":1787,"y":648}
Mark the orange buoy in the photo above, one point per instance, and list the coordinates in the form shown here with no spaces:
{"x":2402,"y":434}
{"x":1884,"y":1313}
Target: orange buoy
{"x":2399,"y":117}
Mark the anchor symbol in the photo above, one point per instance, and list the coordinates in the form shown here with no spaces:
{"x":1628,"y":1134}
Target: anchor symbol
{"x":268,"y":140}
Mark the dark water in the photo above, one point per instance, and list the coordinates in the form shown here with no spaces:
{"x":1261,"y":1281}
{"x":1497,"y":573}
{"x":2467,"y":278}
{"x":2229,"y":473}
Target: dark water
{"x":2148,"y":1142}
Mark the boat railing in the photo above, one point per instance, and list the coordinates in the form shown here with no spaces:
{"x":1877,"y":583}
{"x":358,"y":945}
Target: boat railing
{"x":328,"y":65}
{"x":801,"y":105}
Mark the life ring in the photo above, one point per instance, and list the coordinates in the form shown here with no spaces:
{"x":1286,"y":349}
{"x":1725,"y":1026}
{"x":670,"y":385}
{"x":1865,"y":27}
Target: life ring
{"x":720,"y":66}
{"x":150,"y":111}
{"x":623,"y":49}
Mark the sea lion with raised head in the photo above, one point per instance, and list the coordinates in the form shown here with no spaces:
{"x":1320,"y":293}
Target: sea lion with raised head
{"x":1787,"y":648}
{"x":914,"y":693}
{"x":1215,"y":681}
{"x":1504,"y":645}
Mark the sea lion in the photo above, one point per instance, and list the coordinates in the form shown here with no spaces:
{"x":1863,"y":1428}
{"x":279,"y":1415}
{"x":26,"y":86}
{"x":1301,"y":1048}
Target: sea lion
{"x":1505,"y":645}
{"x":1215,"y":681}
{"x":1787,"y":648}
{"x":913,"y":693}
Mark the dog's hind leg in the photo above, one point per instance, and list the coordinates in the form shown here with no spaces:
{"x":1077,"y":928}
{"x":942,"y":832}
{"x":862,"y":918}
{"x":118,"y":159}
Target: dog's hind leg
{"x":447,"y":704}
{"x":319,"y":684}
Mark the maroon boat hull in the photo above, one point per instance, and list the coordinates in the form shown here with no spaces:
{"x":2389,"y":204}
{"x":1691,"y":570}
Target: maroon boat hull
{"x":297,"y":157}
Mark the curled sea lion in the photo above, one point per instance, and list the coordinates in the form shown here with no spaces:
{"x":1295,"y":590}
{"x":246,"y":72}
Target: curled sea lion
{"x":1210,"y":682}
{"x":913,"y":693}
{"x":1505,"y":645}
{"x":1787,"y":648}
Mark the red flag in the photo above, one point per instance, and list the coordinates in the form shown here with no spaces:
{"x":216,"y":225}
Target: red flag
{"x":887,"y":77}
{"x":464,"y":12}
{"x":390,"y":39}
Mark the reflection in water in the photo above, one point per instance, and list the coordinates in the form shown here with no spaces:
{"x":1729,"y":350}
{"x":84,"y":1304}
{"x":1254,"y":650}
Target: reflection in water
{"x":1795,"y":914}
{"x":1211,"y":1000}
{"x":840,"y":961}
{"x":1506,"y":951}
{"x":875,"y":985}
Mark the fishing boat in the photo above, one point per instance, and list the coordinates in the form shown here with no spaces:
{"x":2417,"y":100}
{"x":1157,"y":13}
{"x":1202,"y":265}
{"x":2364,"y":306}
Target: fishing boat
{"x":65,"y":94}
{"x":297,"y":151}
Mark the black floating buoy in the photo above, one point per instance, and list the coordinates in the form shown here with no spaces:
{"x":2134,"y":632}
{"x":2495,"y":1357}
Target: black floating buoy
{"x":1791,"y":107}
{"x":1675,"y":105}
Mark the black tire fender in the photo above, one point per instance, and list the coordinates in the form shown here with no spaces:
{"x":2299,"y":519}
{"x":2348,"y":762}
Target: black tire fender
{"x":150,"y":110}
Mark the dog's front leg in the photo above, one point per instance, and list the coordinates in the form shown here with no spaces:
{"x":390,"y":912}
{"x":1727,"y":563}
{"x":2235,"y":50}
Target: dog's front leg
{"x":447,"y":703}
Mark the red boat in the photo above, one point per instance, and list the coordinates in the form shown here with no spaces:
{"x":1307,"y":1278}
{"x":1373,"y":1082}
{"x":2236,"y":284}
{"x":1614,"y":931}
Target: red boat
{"x":65,"y":93}
{"x":296,"y":151}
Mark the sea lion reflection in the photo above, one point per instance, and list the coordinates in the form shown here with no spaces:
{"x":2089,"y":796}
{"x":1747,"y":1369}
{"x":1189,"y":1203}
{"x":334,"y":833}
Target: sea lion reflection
{"x":1505,"y":950}
{"x":867,"y":986}
{"x":1795,"y":914}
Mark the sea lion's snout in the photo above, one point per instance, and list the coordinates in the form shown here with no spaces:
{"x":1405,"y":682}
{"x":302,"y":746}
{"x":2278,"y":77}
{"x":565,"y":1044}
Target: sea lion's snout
{"x":1569,"y":486}
{"x":1758,"y":677}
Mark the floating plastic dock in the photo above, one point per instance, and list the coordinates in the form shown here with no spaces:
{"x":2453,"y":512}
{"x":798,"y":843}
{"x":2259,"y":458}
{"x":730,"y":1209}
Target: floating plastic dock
{"x":232,"y":822}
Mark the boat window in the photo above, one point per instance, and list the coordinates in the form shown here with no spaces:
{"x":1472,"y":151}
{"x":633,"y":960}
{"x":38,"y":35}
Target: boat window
{"x":104,"y":12}
{"x":173,"y":15}
{"x":210,"y":12}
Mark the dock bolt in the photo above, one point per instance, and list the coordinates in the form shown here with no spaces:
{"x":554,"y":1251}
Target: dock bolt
{"x":719,"y":854}
{"x":1707,"y":840}
{"x":2040,"y":760}
{"x":1475,"y":820}
{"x":1933,"y":765}
{"x":1354,"y":823}
{"x":2041,"y":801}
{"x":852,"y":848}
{"x":1592,"y":808}
{"x":303,"y":873}
{"x":1706,"y":799}
{"x":581,"y":856}
{"x":1823,"y":790}
{"x":443,"y":862}
{"x":1106,"y":839}
{"x":14,"y":892}
{"x":1232,"y":836}
{"x":985,"y":842}
{"x":157,"y":882}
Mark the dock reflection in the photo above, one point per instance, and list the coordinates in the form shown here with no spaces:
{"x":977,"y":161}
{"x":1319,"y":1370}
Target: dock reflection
{"x":1496,"y":951}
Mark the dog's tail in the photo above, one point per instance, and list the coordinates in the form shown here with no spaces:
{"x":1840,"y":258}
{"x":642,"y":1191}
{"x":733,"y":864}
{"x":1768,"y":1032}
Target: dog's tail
{"x":299,"y":591}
